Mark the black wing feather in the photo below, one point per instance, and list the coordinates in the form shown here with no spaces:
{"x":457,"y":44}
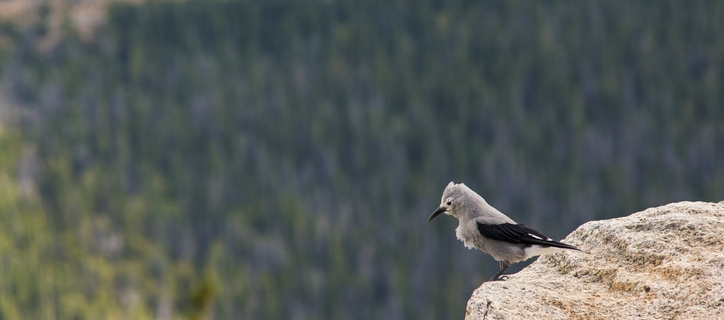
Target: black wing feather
{"x":518,"y":233}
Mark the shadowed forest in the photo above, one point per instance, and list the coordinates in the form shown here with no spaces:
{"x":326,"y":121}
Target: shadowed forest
{"x":261,"y":159}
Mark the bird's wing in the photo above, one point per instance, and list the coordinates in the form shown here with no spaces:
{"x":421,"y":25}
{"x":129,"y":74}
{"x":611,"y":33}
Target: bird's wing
{"x":518,"y":233}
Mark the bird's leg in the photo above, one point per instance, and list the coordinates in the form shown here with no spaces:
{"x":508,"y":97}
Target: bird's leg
{"x":503,"y":266}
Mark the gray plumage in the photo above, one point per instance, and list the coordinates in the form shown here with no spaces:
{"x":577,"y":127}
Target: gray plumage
{"x":483,"y":227}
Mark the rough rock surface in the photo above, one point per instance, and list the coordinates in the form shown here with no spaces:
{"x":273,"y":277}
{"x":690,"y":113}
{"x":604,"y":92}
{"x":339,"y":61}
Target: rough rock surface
{"x":661,"y":263}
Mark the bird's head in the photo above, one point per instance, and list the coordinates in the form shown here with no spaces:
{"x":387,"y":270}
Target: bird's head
{"x":451,"y":200}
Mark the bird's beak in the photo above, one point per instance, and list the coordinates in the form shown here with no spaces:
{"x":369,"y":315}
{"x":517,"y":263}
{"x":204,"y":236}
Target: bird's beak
{"x":436,"y":213}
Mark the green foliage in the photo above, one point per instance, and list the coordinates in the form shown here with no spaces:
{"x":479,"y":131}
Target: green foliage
{"x":278,"y":159}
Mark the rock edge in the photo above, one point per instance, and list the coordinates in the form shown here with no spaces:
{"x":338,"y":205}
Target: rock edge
{"x":661,"y":263}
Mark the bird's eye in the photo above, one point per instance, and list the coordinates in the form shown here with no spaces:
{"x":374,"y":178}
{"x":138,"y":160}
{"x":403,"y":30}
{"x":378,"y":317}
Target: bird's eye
{"x":449,"y":203}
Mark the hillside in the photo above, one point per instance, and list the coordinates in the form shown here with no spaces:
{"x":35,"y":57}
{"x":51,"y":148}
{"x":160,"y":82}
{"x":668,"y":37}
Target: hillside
{"x":278,"y":159}
{"x":84,"y":17}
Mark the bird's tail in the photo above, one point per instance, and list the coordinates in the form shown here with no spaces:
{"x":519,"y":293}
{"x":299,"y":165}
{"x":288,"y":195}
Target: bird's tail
{"x":560,"y":245}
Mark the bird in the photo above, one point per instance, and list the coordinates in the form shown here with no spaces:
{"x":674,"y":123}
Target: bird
{"x":483,"y":227}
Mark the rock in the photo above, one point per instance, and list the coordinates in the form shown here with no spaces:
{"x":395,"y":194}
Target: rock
{"x":661,"y":263}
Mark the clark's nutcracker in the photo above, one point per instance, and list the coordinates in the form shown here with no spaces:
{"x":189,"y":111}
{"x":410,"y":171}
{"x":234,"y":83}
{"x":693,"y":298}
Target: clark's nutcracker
{"x":484,"y":227}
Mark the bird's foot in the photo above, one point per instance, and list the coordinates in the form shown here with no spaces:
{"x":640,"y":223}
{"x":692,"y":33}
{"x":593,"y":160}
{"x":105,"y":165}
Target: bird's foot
{"x":500,"y":278}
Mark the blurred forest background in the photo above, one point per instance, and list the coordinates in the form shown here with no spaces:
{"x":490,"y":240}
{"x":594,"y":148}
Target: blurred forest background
{"x":261,"y":159}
